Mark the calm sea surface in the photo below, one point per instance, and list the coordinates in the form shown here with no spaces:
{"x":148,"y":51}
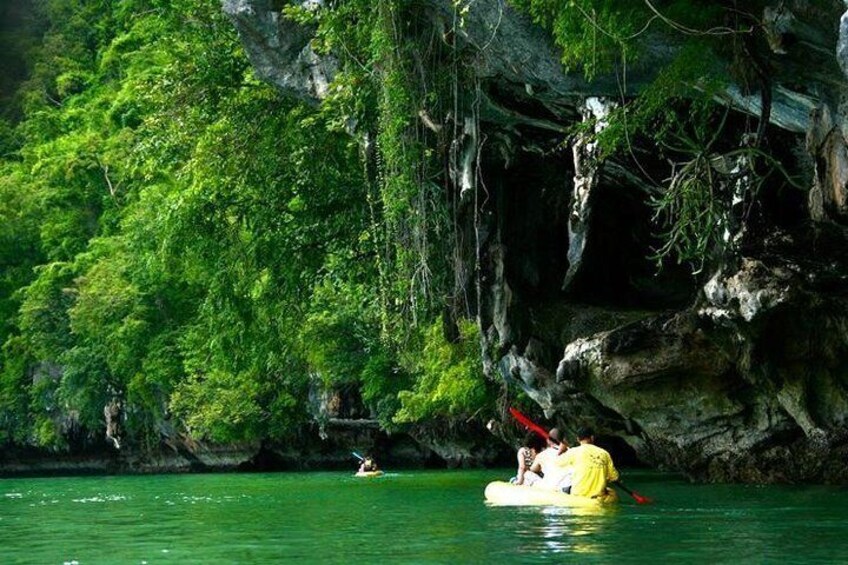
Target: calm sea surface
{"x":405,"y":517}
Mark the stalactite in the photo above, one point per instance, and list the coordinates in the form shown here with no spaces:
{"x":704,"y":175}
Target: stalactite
{"x":586,"y":168}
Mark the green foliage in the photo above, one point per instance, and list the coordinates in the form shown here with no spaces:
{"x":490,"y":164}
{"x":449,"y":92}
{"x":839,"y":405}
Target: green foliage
{"x":227,"y":407}
{"x":681,"y":97}
{"x":179,"y":221}
{"x":381,"y":89}
{"x":14,"y":391}
{"x":703,"y":207}
{"x":593,"y":34}
{"x":449,"y":377}
{"x":22,"y":23}
{"x":341,"y":343}
{"x":601,"y":36}
{"x":19,"y":237}
{"x":44,"y":311}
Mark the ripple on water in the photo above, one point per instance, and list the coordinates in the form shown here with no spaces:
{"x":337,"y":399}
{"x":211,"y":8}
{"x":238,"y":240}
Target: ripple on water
{"x":100,"y":499}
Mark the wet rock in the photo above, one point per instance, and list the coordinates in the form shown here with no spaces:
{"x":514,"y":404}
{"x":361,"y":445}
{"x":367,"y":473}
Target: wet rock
{"x":462,"y":445}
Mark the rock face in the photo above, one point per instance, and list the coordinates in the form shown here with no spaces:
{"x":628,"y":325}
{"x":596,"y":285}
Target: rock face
{"x":463,"y":446}
{"x":280,"y":50}
{"x":739,"y":375}
{"x":180,"y":456}
{"x":748,"y":386}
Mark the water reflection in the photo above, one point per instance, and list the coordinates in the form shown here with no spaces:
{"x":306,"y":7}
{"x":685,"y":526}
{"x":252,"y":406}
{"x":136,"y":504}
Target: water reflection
{"x":557,"y":530}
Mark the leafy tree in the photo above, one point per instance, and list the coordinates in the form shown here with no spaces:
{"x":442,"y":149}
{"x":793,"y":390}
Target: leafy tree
{"x":450,"y":381}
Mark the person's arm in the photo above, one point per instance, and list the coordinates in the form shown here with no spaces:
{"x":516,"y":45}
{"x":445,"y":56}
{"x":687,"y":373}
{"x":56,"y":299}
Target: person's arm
{"x":536,"y":467}
{"x":522,"y":467}
{"x":612,"y":472}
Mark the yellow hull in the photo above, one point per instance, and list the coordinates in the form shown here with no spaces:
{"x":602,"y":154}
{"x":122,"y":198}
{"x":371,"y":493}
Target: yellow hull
{"x":501,"y":493}
{"x":368,"y":474}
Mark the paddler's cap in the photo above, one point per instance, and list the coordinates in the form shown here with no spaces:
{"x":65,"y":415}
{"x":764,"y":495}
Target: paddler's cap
{"x":555,"y":435}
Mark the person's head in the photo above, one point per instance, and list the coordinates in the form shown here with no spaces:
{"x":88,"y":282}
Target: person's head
{"x":534,"y":442}
{"x":586,"y":434}
{"x":554,"y":437}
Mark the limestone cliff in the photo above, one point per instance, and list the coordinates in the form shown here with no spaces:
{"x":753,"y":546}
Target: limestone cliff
{"x":740,"y":373}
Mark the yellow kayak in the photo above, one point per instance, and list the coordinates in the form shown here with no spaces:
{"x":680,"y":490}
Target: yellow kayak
{"x":368,"y":474}
{"x":501,"y":493}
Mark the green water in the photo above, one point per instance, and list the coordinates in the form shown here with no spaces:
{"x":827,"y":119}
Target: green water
{"x":408,"y":517}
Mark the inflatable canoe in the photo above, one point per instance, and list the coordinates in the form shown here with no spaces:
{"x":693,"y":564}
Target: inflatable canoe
{"x":368,"y":474}
{"x":501,"y":493}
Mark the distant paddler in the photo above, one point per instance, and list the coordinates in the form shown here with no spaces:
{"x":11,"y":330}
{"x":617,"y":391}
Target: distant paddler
{"x":367,"y":466}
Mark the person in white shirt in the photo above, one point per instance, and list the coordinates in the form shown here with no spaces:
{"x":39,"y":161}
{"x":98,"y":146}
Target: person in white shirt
{"x":556,"y":472}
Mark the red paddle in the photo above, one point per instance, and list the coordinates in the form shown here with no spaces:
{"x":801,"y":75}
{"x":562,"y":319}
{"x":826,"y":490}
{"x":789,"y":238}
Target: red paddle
{"x":539,"y":430}
{"x":528,"y":423}
{"x":636,"y":496}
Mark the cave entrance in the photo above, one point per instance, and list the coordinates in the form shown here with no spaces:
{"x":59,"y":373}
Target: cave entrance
{"x":623,"y":455}
{"x":532,"y":195}
{"x":533,"y":191}
{"x":619,"y":269}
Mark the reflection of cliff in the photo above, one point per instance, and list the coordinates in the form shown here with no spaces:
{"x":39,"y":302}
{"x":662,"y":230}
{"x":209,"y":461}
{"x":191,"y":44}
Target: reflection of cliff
{"x":737,"y":374}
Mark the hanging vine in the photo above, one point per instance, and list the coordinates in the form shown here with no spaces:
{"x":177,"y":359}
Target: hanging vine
{"x":392,"y":90}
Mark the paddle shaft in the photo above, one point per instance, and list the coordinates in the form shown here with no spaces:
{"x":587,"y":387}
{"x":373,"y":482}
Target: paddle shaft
{"x":534,"y":427}
{"x":620,"y":485}
{"x":636,"y":496}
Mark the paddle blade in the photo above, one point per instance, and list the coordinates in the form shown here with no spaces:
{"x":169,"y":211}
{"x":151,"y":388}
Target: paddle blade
{"x":635,"y":495}
{"x":641,"y":499}
{"x":528,"y":423}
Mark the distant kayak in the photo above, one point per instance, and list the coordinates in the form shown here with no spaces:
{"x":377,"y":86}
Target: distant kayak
{"x":501,"y":493}
{"x":367,"y":474}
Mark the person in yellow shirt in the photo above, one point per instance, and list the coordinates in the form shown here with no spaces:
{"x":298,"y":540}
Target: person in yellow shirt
{"x":593,"y":467}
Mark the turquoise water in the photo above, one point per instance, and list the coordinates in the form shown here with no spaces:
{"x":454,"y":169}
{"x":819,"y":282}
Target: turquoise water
{"x":406,"y":517}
